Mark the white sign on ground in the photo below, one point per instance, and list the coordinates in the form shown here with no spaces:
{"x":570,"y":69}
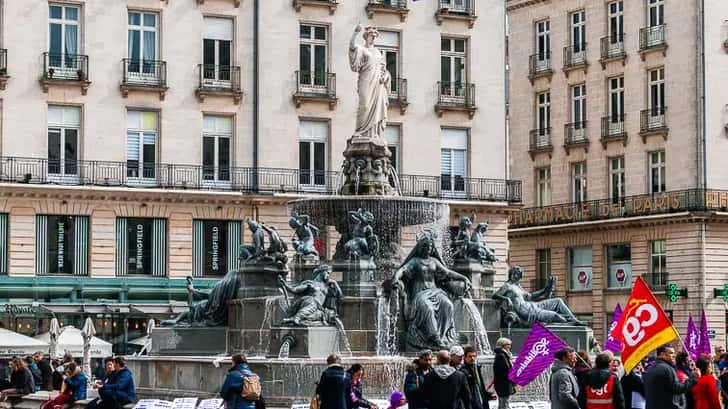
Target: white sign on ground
{"x":210,"y":403}
{"x":184,"y":403}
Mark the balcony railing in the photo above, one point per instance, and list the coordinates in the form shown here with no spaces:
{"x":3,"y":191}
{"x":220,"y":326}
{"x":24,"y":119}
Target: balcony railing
{"x":455,"y":95}
{"x":574,"y":56}
{"x":398,"y":93}
{"x":3,"y":62}
{"x":612,"y":47}
{"x":652,"y":37}
{"x":575,"y":134}
{"x":462,"y":7}
{"x":219,"y":78}
{"x":144,"y":73}
{"x":613,"y":129}
{"x":68,"y":67}
{"x":330,"y":4}
{"x":540,"y":140}
{"x":244,"y":179}
{"x":539,"y":64}
{"x":653,"y":119}
{"x":315,"y":86}
{"x":389,"y":4}
{"x":657,"y":281}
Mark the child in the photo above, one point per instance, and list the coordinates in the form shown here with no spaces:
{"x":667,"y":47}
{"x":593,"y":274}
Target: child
{"x":397,"y":400}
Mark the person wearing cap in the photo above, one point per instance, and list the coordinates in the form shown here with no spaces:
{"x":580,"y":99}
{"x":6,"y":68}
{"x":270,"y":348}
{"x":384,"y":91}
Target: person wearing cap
{"x":502,"y":365}
{"x":456,"y":356}
{"x":397,"y":400}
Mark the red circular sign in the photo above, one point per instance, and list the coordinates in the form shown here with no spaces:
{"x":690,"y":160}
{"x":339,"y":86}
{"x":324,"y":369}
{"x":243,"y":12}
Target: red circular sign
{"x":621,"y":275}
{"x":582,"y":277}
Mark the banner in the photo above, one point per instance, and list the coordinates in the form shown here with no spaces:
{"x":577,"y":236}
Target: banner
{"x":692,"y":339}
{"x":643,"y":326}
{"x":536,"y":354}
{"x":704,"y":338}
{"x":612,"y":344}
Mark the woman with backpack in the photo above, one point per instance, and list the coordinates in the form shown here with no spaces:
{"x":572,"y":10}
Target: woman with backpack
{"x":241,"y":389}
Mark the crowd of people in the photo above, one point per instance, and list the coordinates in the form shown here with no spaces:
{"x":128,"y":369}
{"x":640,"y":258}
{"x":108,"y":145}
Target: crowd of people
{"x":114,"y":381}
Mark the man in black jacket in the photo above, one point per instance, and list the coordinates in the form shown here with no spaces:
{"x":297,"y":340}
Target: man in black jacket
{"x":445,"y":387}
{"x":45,"y":370}
{"x":479,"y":396}
{"x":602,"y":384}
{"x":634,"y":388}
{"x":502,"y":365}
{"x":662,"y":389}
{"x":334,"y":387}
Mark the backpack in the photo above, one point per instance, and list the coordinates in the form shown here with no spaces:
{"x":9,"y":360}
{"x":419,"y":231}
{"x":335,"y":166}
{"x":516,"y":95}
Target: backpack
{"x":251,"y":387}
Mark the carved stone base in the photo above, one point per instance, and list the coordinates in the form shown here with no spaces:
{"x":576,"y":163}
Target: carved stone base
{"x":260,"y":280}
{"x":311,"y":342}
{"x":303,"y":267}
{"x":480,"y":275}
{"x":358,"y":277}
{"x":366,"y":168}
{"x":189,"y":341}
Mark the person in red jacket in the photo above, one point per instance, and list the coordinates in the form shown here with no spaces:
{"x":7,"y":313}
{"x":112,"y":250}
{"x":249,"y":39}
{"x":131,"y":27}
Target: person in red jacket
{"x":705,"y":391}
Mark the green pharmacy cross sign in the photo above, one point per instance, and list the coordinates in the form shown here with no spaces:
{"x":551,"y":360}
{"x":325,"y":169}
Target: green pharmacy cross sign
{"x":721,"y":292}
{"x":673,"y":292}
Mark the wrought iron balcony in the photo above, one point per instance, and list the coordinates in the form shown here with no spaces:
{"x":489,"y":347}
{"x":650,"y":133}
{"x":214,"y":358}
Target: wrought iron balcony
{"x":398,"y":94}
{"x":221,"y":80}
{"x":613,"y":129}
{"x":540,"y":141}
{"x":574,"y":57}
{"x":575,"y":136}
{"x":652,"y":38}
{"x":456,"y":10}
{"x":653,"y":122}
{"x":612,"y":48}
{"x":315,"y":86}
{"x":330,"y":4}
{"x":455,"y":96}
{"x":657,"y":281}
{"x":144,"y":75}
{"x":70,"y":69}
{"x":539,"y":65}
{"x":388,"y":6}
{"x":3,"y":68}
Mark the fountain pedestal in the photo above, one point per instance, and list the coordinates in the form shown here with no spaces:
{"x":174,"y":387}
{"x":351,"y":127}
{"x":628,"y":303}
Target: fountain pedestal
{"x":258,"y":280}
{"x":310,"y":342}
{"x":358,"y":277}
{"x":480,"y":275}
{"x":366,"y":168}
{"x":193,"y":341}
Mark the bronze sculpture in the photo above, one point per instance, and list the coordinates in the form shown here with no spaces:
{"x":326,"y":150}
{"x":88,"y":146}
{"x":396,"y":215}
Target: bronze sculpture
{"x":364,"y":243}
{"x":315,"y":301}
{"x":212,"y":311}
{"x":305,"y":232}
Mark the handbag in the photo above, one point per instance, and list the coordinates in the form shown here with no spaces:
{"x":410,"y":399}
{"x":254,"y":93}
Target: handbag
{"x":315,"y":401}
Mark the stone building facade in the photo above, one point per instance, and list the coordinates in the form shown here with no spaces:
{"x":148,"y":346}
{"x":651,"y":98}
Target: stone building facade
{"x":137,"y":136}
{"x":617,"y":129}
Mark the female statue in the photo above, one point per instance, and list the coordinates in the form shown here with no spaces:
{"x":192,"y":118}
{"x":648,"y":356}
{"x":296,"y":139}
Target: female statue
{"x":373,"y":84}
{"x":428,"y":285}
{"x":316,"y":300}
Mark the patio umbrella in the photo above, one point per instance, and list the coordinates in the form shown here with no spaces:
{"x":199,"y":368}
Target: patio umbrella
{"x":70,"y":341}
{"x":14,"y":344}
{"x":88,"y":331}
{"x":54,"y":332}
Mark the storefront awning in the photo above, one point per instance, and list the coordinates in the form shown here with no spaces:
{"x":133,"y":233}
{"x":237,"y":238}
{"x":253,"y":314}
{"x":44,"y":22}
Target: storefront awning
{"x":159,"y":309}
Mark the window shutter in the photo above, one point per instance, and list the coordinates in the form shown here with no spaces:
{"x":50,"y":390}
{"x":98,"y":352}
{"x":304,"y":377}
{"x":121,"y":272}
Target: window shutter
{"x":446,"y":162}
{"x":159,"y":248}
{"x":459,"y":162}
{"x":80,"y":239}
{"x":3,"y":243}
{"x":314,"y":131}
{"x":122,"y":256}
{"x":217,"y":28}
{"x":64,"y":116}
{"x":388,"y":39}
{"x":132,"y":146}
{"x":41,"y":244}
{"x":391,"y":134}
{"x":233,"y":244}
{"x":198,"y":248}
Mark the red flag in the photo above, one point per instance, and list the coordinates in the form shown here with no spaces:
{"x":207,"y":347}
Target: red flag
{"x":643,"y":326}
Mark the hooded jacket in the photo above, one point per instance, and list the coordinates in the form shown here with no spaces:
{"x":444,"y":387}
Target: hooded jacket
{"x":233,"y":386}
{"x":563,"y":388}
{"x":597,"y":378}
{"x":444,"y":386}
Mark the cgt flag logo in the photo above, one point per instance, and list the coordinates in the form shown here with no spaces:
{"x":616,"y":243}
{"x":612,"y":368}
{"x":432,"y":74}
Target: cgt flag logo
{"x":643,"y":326}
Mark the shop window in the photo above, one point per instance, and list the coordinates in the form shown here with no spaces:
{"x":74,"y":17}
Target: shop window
{"x":61,"y":244}
{"x":619,"y":266}
{"x":214,"y":247}
{"x":141,"y":246}
{"x":580,"y":263}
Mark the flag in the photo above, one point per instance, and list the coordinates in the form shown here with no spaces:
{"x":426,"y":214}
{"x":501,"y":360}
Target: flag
{"x":536,"y":354}
{"x":643,"y":326}
{"x":692,"y":339}
{"x":612,"y":344}
{"x":704,"y":338}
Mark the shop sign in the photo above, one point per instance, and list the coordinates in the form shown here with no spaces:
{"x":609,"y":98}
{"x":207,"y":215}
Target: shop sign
{"x":17,"y":310}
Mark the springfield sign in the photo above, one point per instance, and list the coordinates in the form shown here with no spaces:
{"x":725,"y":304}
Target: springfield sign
{"x":632,"y":206}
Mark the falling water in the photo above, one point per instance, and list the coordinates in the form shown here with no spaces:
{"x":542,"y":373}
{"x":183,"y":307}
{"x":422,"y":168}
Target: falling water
{"x":476,"y":325}
{"x":384,"y":335}
{"x":270,"y":304}
{"x":341,"y":336}
{"x":395,"y":178}
{"x":356,"y":184}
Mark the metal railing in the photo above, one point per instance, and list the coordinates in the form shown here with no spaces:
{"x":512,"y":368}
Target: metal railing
{"x":316,"y":84}
{"x":465,"y":7}
{"x":71,"y":67}
{"x":613,"y":47}
{"x":455,"y":94}
{"x":613,"y":127}
{"x":575,"y":133}
{"x":391,"y":4}
{"x":539,"y":64}
{"x":219,"y":77}
{"x":653,"y":119}
{"x":3,"y":62}
{"x":243,"y":179}
{"x":652,"y":37}
{"x":657,"y":281}
{"x":540,"y":139}
{"x":575,"y":56}
{"x":146,"y":73}
{"x":398,"y":92}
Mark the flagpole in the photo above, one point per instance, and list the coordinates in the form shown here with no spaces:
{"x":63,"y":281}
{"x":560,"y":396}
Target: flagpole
{"x":685,"y":347}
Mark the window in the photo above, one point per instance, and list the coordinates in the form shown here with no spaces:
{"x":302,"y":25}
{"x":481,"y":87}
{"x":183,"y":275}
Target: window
{"x":543,"y":268}
{"x":313,"y":137}
{"x":457,"y":6}
{"x":143,"y":45}
{"x":616,"y":103}
{"x":141,"y":246}
{"x":215,"y":247}
{"x":658,"y":258}
{"x":615,"y":21}
{"x":543,"y":186}
{"x":141,"y":144}
{"x":63,"y":38}
{"x":313,"y":56}
{"x":578,"y":182}
{"x":657,"y":172}
{"x":453,"y":58}
{"x":217,"y":132}
{"x":217,"y":51}
{"x":64,"y":123}
{"x":392,"y":136}
{"x":543,"y":113}
{"x":61,"y":244}
{"x":578,"y":109}
{"x":543,"y":42}
{"x":578,"y":36}
{"x":580,"y":263}
{"x":4,"y":244}
{"x":657,"y":91}
{"x":619,"y":266}
{"x":656,"y":12}
{"x":453,"y":160}
{"x":388,"y":44}
{"x":616,"y":180}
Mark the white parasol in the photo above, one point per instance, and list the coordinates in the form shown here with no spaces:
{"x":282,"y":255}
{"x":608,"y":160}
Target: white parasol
{"x":88,"y":331}
{"x":55,"y":331}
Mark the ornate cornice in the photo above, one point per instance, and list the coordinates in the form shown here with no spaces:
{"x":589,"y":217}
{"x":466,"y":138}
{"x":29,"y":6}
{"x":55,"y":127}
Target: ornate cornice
{"x":512,"y":5}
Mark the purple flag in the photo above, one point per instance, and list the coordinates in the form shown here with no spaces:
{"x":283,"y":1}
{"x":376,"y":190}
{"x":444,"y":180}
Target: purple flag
{"x":692,"y":338}
{"x":612,"y":344}
{"x":536,"y":354}
{"x":704,"y":339}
